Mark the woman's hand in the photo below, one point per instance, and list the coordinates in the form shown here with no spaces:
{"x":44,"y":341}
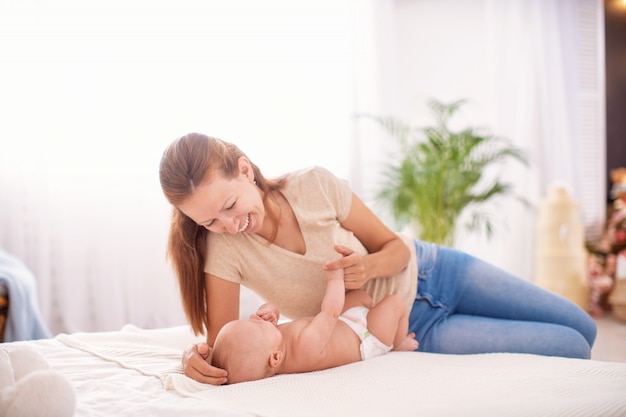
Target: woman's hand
{"x":197,"y":365}
{"x":353,"y":265}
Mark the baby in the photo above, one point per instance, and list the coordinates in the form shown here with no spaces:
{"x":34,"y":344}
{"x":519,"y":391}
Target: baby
{"x":259,"y":347}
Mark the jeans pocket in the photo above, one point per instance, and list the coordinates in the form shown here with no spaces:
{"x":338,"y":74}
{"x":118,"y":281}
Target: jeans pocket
{"x":426,"y":259}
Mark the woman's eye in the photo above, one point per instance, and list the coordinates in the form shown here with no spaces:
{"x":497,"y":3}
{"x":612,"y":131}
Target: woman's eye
{"x":231,"y":206}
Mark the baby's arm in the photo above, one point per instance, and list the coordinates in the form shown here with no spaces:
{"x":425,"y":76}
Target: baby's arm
{"x":316,"y":335}
{"x":335,"y":296}
{"x":268,"y":312}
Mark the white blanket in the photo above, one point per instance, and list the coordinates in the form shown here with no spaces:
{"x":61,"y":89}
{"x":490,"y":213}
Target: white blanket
{"x":396,"y":384}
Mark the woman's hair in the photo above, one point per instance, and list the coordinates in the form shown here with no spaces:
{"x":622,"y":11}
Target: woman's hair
{"x":187,"y":163}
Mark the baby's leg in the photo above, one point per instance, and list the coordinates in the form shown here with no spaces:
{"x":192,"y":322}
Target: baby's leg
{"x":357,"y":298}
{"x":389,"y":322}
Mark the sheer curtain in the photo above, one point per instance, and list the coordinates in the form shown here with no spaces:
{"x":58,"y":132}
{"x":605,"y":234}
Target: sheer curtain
{"x":531,"y":70}
{"x":93,"y":91}
{"x":548,"y":84}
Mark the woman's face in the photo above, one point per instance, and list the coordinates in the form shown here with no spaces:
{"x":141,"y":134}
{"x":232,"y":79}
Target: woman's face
{"x":227,"y":205}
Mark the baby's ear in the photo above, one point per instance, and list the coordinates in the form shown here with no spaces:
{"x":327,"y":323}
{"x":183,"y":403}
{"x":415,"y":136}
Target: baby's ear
{"x":276,"y":358}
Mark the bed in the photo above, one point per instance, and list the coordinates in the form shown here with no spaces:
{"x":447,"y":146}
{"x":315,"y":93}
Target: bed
{"x":137,"y":371}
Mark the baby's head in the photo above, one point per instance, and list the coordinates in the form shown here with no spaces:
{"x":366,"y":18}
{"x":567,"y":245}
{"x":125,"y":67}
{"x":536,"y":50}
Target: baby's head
{"x":248,"y":350}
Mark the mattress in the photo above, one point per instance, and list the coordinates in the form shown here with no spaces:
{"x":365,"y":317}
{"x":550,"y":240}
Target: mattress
{"x":137,"y":371}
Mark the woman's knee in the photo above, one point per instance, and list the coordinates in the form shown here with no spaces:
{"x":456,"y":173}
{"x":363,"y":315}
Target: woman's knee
{"x":588,"y":328}
{"x":577,"y":347}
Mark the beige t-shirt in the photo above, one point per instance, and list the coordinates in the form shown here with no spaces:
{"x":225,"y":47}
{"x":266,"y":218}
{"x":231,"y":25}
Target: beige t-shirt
{"x":294,"y":282}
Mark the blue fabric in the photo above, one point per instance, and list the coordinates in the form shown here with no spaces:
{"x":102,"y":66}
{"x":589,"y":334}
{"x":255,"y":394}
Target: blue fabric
{"x":465,"y":305}
{"x":24,"y":321}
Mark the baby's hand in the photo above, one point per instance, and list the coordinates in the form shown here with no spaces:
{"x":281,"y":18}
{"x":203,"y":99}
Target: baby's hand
{"x":266,"y":312}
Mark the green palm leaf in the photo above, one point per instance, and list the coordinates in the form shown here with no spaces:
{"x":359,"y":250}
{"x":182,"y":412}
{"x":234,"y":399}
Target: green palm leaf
{"x":441,"y":174}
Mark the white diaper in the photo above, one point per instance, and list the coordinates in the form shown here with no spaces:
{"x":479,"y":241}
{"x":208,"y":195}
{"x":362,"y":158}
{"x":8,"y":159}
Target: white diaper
{"x":356,"y":318}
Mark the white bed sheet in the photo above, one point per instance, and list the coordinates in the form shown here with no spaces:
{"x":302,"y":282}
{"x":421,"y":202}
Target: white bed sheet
{"x":137,"y":372}
{"x":107,"y":389}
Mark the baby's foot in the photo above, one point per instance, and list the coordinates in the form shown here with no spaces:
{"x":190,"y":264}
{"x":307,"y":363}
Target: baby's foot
{"x":408,"y":344}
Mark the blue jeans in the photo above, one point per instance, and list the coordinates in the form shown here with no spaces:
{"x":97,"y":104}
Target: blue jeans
{"x":465,"y":305}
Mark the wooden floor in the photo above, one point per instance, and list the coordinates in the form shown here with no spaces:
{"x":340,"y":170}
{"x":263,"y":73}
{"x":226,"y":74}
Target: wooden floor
{"x":610,"y":343}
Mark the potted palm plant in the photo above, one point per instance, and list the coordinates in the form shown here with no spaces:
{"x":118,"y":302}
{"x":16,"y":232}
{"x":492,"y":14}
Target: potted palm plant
{"x":441,"y":174}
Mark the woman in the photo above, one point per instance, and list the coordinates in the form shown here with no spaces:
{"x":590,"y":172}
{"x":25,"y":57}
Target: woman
{"x":231,"y":226}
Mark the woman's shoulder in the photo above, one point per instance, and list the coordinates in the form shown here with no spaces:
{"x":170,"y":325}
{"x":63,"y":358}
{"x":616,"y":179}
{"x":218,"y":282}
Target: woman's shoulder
{"x":317,"y":188}
{"x":314,"y":175}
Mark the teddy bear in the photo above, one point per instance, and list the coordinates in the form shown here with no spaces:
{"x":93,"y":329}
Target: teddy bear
{"x":29,"y":387}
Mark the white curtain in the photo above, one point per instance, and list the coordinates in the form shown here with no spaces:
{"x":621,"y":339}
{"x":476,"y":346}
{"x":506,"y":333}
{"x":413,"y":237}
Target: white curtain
{"x":93,"y":90}
{"x":548,"y":74}
{"x":531,"y":70}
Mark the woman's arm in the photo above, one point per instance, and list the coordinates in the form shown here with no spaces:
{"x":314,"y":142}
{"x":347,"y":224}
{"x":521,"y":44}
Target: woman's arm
{"x":223,"y":306}
{"x":388,"y":255}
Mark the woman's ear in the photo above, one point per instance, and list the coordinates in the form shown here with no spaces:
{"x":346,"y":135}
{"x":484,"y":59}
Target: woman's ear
{"x":245,"y":168}
{"x":276,"y":358}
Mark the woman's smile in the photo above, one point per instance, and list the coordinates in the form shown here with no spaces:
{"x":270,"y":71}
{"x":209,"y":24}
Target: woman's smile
{"x":245,"y":224}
